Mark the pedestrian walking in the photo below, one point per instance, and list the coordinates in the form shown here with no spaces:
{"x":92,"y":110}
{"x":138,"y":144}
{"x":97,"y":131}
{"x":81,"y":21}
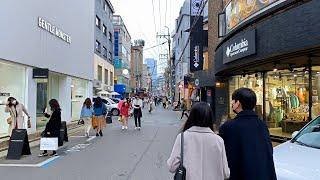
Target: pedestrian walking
{"x":17,"y":111}
{"x":54,"y":124}
{"x":125,"y":108}
{"x":100,"y":111}
{"x":248,"y":145}
{"x":119,"y":107}
{"x":137,"y":112}
{"x":150,"y":106}
{"x":155,"y":101}
{"x":86,"y":115}
{"x":184,"y":108}
{"x":164,"y":102}
{"x":204,"y":156}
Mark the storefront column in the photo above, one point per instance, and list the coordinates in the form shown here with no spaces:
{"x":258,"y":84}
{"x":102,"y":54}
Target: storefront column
{"x":65,"y":98}
{"x":31,"y":99}
{"x":310,"y":88}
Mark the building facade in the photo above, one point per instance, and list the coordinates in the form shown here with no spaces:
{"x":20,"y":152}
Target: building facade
{"x":182,"y":58}
{"x":276,"y":53}
{"x":103,"y":47}
{"x":122,"y":55}
{"x":40,"y":53}
{"x":153,"y":71}
{"x":136,"y":66}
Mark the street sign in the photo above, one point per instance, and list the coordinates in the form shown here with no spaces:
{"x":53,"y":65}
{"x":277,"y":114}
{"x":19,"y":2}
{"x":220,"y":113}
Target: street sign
{"x":197,"y":82}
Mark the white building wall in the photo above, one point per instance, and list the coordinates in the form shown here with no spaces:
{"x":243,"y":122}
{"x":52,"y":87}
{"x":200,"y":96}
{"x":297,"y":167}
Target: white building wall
{"x":23,"y":41}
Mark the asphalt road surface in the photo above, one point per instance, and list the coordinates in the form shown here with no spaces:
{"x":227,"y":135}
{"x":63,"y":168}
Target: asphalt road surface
{"x":118,"y":155}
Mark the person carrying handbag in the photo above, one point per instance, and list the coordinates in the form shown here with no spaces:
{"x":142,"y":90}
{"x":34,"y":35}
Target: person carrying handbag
{"x":17,"y":111}
{"x":86,"y":115}
{"x":54,"y":124}
{"x":198,"y":149}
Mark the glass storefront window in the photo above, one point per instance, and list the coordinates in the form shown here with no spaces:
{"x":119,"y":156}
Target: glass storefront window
{"x":253,"y":82}
{"x":79,"y":93}
{"x":287,"y":99}
{"x":287,"y":96}
{"x":315,"y":110}
{"x":12,"y":83}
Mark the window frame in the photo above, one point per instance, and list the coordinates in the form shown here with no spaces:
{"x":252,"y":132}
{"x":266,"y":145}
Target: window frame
{"x":99,"y":75}
{"x":98,"y":49}
{"x":104,"y":30}
{"x":98,"y":20}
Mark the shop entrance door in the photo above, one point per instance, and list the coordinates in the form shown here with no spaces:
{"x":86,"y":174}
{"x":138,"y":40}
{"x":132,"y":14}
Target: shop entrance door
{"x":42,"y":99}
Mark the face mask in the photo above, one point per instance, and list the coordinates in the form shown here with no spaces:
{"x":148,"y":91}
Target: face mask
{"x":14,"y":102}
{"x":234,"y":109}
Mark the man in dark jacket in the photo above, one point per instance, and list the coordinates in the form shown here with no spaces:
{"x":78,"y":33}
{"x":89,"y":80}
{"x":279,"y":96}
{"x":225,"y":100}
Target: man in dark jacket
{"x":247,"y":141}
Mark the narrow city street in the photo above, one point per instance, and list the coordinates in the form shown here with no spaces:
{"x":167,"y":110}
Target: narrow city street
{"x":131,"y":154}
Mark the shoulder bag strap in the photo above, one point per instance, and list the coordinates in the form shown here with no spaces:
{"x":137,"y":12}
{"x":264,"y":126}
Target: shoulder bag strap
{"x":182,"y":141}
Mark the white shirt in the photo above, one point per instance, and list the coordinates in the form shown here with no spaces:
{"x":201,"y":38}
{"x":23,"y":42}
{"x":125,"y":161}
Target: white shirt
{"x":137,"y":102}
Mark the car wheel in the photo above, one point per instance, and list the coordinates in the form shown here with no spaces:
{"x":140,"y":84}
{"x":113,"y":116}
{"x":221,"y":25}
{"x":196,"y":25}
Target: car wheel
{"x":115,"y":112}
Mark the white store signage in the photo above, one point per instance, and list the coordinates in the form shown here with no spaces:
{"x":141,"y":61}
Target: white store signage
{"x":43,"y":24}
{"x":240,"y":47}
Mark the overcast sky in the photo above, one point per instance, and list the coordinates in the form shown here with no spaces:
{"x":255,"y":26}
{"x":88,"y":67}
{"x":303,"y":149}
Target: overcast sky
{"x":144,"y":20}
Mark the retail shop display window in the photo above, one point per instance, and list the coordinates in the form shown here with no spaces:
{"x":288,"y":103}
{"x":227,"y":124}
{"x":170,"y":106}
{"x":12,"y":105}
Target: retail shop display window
{"x":12,"y":83}
{"x":287,"y":96}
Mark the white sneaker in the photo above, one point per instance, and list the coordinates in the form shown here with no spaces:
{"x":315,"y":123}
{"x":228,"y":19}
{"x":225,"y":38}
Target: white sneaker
{"x":136,"y":128}
{"x":122,"y":127}
{"x":126,"y":127}
{"x":139,"y":128}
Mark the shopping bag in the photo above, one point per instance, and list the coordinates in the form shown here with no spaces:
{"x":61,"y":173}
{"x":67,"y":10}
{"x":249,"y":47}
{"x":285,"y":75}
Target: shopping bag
{"x":94,"y":122}
{"x":49,"y":144}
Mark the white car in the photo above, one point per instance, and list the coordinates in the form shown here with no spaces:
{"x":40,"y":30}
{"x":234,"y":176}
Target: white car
{"x":299,"y":158}
{"x":111,"y":105}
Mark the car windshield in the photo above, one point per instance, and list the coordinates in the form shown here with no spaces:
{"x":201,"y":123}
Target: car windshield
{"x":310,"y":136}
{"x":115,"y":100}
{"x":111,"y":102}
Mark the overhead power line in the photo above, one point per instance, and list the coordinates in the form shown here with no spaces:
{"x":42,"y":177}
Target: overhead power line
{"x":154,"y":46}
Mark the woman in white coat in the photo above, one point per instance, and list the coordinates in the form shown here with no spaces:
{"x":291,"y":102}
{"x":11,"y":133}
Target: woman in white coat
{"x":17,"y":111}
{"x":204,"y":152}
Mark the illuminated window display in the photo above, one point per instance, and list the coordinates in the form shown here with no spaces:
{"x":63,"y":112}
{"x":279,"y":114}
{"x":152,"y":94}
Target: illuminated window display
{"x":287,"y":95}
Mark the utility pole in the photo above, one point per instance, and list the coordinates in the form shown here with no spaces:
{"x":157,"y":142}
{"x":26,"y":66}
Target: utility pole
{"x":163,"y":56}
{"x":168,"y":38}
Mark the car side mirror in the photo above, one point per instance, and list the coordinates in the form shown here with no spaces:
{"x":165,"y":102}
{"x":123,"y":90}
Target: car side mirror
{"x":294,"y":134}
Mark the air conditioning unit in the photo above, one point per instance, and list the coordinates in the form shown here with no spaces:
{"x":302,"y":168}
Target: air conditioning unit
{"x":106,"y":87}
{"x":96,"y":84}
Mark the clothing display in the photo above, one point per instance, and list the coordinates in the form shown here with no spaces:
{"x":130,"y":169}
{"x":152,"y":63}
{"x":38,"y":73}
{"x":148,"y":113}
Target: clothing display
{"x":294,"y":101}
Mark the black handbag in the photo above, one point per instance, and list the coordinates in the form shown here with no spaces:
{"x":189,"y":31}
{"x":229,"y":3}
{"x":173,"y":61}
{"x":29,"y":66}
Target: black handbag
{"x":181,"y":170}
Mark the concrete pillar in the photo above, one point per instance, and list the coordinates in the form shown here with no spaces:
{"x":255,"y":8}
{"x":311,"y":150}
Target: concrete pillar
{"x":65,"y":83}
{"x":31,"y":99}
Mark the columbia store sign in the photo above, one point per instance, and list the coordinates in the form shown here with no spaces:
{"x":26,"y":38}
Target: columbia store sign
{"x":239,"y":47}
{"x":42,"y":23}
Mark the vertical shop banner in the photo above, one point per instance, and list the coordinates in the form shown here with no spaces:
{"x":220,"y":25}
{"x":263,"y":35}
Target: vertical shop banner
{"x":196,"y":36}
{"x":196,"y":44}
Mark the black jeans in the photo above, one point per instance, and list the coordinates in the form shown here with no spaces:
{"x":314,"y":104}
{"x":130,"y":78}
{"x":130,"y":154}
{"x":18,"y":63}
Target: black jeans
{"x":137,"y":121}
{"x":184,"y":113}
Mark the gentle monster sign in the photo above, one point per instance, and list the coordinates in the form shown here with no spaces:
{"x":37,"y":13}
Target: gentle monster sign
{"x":53,"y":30}
{"x":240,"y":47}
